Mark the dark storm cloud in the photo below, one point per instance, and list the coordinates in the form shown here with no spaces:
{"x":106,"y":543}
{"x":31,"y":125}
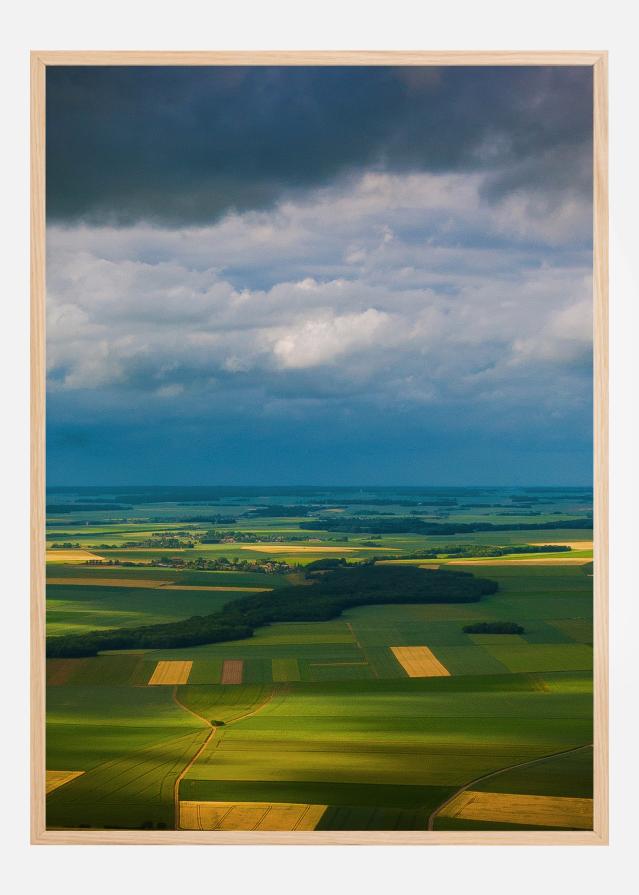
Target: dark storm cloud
{"x":411,"y":246}
{"x":433,"y":449}
{"x":177,"y":146}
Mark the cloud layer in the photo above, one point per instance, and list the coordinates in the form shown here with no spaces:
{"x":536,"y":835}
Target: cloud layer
{"x":388,"y":282}
{"x":178,"y":146}
{"x":407,"y":301}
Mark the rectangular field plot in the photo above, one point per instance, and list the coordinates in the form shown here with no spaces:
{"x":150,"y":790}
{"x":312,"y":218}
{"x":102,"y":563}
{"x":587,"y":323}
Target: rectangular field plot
{"x":419,"y":661}
{"x":338,"y":671}
{"x":306,"y":634}
{"x":115,"y":670}
{"x":578,"y":629}
{"x":71,"y":555}
{"x":232,"y":671}
{"x":471,"y":659}
{"x":285,"y":670}
{"x":497,"y":639}
{"x":249,"y":816}
{"x":544,"y":656}
{"x":527,"y":810}
{"x":170,"y":673}
{"x":368,"y":817}
{"x":206,"y":671}
{"x":60,"y":671}
{"x":56,"y":779}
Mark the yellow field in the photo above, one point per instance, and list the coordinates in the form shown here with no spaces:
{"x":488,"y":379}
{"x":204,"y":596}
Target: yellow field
{"x":167,"y":672}
{"x":418,"y":661}
{"x":70,"y":556}
{"x":509,"y":808}
{"x":148,"y":582}
{"x":55,"y":779}
{"x":574,"y":545}
{"x":249,"y":816}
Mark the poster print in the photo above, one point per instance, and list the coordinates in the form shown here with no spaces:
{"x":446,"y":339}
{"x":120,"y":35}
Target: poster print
{"x":319,"y":503}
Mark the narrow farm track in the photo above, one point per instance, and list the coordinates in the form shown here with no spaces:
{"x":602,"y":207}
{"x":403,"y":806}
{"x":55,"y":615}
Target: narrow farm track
{"x":512,"y":767}
{"x":211,"y":735}
{"x":189,"y":765}
{"x":276,"y":691}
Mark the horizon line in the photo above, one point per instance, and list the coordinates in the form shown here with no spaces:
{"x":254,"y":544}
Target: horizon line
{"x":309,"y":485}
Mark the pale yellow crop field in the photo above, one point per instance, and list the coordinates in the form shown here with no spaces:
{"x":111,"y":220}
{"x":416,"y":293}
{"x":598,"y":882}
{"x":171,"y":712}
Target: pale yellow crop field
{"x":419,"y":661}
{"x":513,"y":808}
{"x":71,"y":555}
{"x":282,"y":816}
{"x":169,"y":672}
{"x":56,"y":779}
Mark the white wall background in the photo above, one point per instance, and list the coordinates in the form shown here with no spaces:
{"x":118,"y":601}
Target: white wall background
{"x":332,"y":24}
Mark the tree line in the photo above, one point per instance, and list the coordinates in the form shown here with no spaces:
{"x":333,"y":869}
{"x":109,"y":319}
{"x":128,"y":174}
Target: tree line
{"x":494,"y":628}
{"x":451,"y":551}
{"x":409,"y":525}
{"x":333,"y":591}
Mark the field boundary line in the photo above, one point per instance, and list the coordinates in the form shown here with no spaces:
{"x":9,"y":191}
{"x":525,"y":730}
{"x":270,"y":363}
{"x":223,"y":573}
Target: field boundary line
{"x":522,"y":764}
{"x":258,"y":708}
{"x":178,"y":701}
{"x":189,"y":765}
{"x":362,"y":650}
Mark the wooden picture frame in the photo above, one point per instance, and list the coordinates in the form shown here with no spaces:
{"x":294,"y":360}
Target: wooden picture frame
{"x":40,"y":61}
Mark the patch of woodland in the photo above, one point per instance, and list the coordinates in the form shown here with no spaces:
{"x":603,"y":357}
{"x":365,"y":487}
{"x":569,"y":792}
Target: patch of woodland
{"x":336,"y":589}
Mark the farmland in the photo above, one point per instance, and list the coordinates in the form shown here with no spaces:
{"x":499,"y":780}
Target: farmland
{"x":379,"y":716}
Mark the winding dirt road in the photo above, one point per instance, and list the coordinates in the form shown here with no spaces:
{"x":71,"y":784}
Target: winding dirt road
{"x":211,"y":734}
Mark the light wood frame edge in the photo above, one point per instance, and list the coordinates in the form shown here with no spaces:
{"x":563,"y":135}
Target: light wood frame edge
{"x":600,"y":429}
{"x":37,"y":459}
{"x":319,"y":57}
{"x":39,"y":834}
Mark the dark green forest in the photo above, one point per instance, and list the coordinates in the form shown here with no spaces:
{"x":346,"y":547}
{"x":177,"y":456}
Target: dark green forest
{"x":332,"y":592}
{"x":493,"y":628}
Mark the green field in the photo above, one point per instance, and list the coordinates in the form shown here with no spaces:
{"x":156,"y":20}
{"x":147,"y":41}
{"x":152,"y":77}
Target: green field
{"x":324,"y":714}
{"x":132,"y":742}
{"x":419,"y":741}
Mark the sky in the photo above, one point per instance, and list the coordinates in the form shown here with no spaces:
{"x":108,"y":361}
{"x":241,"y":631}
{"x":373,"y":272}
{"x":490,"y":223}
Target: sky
{"x":375,"y":276}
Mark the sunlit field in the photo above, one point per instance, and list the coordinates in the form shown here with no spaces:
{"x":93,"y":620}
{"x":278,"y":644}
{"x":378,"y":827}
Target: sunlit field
{"x":387,"y":716}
